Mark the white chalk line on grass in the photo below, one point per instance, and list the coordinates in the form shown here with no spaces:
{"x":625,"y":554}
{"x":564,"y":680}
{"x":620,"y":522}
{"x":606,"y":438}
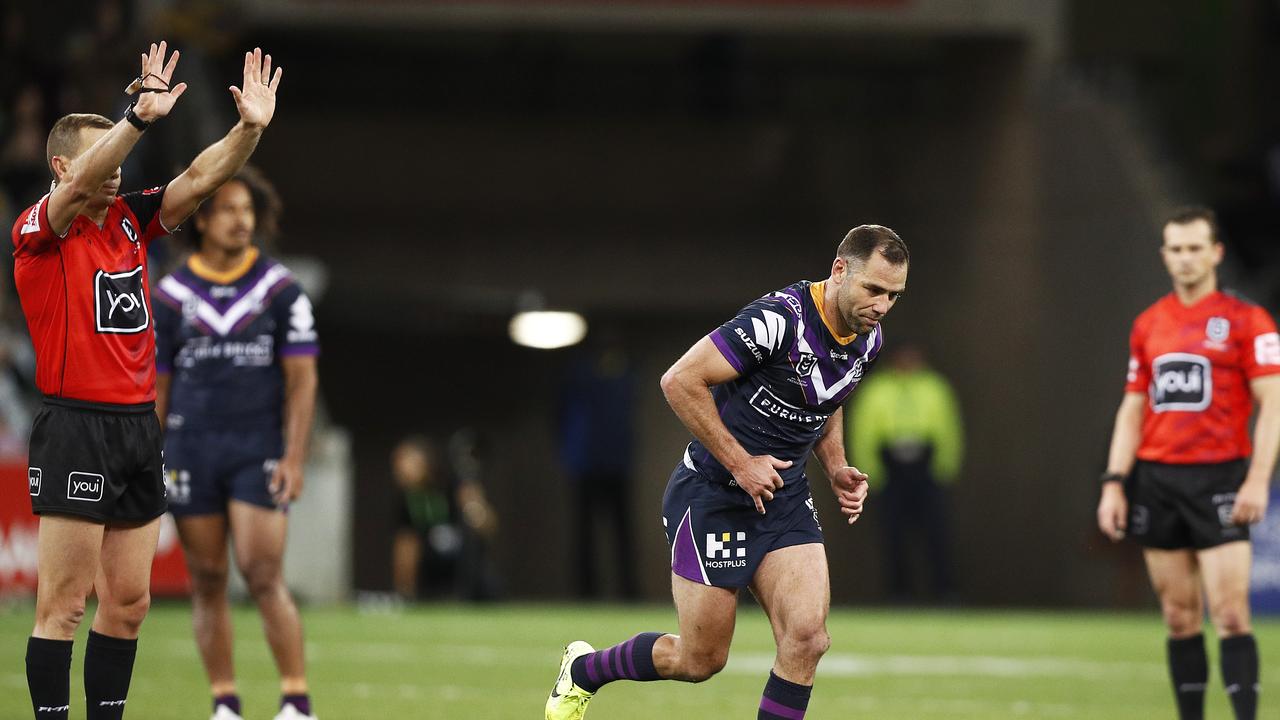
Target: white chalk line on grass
{"x":754,"y":663}
{"x":857,"y":665}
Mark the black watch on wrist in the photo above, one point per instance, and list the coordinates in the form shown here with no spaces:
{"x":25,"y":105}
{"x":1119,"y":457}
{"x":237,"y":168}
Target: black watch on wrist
{"x":1108,"y":477}
{"x":134,"y":120}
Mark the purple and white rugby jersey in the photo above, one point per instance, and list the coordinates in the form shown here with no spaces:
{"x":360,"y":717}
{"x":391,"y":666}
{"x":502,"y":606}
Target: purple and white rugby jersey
{"x":794,"y":374}
{"x":222,"y":339}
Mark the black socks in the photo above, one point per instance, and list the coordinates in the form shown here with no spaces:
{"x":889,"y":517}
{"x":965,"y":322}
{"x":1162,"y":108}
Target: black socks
{"x":1189,"y":670}
{"x":108,"y":667}
{"x":49,"y":677}
{"x":1240,"y":674}
{"x":783,"y":699}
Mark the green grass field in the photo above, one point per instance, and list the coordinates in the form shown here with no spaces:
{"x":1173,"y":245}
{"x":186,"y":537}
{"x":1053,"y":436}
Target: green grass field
{"x":498,"y":662}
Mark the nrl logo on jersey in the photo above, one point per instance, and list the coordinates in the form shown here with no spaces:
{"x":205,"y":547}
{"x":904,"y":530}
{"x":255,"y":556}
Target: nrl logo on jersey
{"x":1217,"y":330}
{"x":805,"y":364}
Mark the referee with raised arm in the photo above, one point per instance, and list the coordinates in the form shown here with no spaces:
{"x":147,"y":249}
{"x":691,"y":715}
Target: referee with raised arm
{"x":1183,"y":480}
{"x":96,"y":470}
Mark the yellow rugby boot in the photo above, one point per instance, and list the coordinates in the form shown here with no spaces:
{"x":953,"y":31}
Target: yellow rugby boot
{"x":568,"y":701}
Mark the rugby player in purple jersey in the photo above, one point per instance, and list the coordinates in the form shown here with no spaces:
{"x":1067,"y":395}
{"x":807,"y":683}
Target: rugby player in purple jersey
{"x":759,"y":394}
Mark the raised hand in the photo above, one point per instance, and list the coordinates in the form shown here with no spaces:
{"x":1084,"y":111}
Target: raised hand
{"x":256,"y":101}
{"x":156,"y":95}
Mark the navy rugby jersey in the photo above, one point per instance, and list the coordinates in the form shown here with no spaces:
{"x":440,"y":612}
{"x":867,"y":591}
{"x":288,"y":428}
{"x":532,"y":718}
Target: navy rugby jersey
{"x":223,"y":344}
{"x":794,"y":374}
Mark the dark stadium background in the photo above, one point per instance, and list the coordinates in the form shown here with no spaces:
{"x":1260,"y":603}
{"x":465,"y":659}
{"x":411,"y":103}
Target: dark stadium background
{"x":656,"y":165}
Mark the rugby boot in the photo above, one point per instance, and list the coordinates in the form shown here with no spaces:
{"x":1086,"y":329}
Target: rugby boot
{"x":225,"y":713}
{"x":568,"y":701}
{"x":289,"y":712}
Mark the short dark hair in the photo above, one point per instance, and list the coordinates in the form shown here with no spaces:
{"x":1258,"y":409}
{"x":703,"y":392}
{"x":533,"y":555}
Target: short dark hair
{"x":1190,"y":213}
{"x":864,"y":240}
{"x":266,"y":206}
{"x":64,"y":137}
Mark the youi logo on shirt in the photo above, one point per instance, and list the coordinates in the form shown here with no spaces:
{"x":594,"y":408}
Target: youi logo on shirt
{"x":1181,"y":381}
{"x":119,"y":303}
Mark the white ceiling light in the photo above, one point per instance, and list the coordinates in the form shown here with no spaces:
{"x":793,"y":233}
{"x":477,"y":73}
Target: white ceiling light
{"x":546,"y":329}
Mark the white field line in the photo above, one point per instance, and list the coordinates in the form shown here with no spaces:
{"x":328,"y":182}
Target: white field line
{"x":740,"y":663}
{"x":857,"y":665}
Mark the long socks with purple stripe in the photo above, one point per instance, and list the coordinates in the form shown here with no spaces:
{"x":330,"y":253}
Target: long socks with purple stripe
{"x":783,"y":700}
{"x":631,"y":660}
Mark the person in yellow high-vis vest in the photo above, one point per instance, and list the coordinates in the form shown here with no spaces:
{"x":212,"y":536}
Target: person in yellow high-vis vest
{"x":906,"y":434}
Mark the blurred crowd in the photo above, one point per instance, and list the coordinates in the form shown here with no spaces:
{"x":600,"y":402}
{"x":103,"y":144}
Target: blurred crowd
{"x":46,"y":75}
{"x":80,"y":69}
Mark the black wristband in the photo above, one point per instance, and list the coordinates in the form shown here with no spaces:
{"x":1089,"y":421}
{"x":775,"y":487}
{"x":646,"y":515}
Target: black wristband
{"x":134,"y":120}
{"x":1108,"y":477}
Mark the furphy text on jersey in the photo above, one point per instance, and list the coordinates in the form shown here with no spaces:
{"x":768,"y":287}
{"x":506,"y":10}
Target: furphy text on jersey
{"x":768,"y":404}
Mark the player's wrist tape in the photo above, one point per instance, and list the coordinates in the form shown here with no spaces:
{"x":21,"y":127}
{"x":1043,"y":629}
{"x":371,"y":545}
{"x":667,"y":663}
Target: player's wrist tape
{"x":134,"y":120}
{"x":1108,"y":477}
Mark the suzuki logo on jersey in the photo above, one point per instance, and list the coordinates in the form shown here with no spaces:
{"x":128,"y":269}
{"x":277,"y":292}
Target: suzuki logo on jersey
{"x":119,"y":303}
{"x":1181,"y":381}
{"x":769,"y":332}
{"x":751,"y":345}
{"x":721,"y":552}
{"x":84,"y":486}
{"x":33,"y":480}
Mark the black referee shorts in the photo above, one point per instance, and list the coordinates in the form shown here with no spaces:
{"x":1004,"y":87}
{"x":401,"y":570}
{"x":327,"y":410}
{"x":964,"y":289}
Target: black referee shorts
{"x":102,"y":462}
{"x":1175,"y":507}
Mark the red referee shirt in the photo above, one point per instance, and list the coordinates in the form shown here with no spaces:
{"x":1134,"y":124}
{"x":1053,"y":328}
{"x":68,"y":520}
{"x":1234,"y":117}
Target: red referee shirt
{"x":86,"y":299}
{"x":1195,"y":364}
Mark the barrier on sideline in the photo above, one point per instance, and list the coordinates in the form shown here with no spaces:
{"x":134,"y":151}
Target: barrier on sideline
{"x":18,"y":542}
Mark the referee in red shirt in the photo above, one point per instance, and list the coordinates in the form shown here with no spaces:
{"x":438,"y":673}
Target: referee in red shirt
{"x":1179,"y":478}
{"x":96,"y":470}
